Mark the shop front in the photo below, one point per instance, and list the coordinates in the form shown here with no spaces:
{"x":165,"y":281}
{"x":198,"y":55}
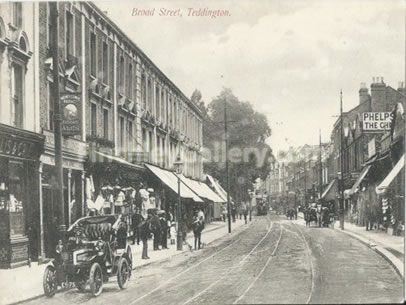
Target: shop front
{"x":74,"y":157}
{"x":19,"y":197}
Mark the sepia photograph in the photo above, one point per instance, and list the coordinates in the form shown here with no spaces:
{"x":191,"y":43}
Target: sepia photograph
{"x":173,"y":152}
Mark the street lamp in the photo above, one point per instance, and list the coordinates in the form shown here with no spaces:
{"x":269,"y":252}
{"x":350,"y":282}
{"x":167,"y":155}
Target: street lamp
{"x":179,"y":167}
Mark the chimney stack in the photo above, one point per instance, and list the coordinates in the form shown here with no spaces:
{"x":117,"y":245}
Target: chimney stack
{"x":401,"y":88}
{"x":363,"y":94}
{"x":378,"y":95}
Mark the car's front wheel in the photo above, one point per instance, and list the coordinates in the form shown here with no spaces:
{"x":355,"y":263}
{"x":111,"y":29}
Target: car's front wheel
{"x":96,"y":280}
{"x":123,"y":273}
{"x":49,"y":281}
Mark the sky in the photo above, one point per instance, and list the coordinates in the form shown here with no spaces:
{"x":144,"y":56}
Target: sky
{"x":289,"y":58}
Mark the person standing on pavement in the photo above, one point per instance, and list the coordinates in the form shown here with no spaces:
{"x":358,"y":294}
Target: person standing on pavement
{"x":245,"y":214}
{"x":233,"y":212}
{"x":164,"y":230}
{"x":135,"y":222}
{"x":156,"y":230}
{"x":145,"y":233}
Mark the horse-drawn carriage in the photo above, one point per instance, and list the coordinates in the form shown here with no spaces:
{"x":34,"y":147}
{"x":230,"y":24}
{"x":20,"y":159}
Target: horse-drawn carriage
{"x":320,"y":215}
{"x":96,"y":249}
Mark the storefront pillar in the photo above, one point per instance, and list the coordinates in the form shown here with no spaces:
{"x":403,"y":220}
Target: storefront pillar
{"x":82,"y":190}
{"x":41,"y":255}
{"x":69,"y":196}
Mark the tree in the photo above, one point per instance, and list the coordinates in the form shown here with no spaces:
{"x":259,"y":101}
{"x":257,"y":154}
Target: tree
{"x":249,"y":156}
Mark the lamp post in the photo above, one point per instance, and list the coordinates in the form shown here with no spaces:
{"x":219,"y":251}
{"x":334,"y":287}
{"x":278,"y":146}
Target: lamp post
{"x":179,"y":237}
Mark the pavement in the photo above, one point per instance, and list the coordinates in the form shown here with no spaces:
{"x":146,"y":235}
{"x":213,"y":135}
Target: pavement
{"x":25,"y":283}
{"x":390,"y":247}
{"x":273,"y":261}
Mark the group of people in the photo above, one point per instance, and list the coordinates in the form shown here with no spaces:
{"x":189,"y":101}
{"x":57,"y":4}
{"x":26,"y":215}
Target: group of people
{"x":160,"y":226}
{"x":242,"y":211}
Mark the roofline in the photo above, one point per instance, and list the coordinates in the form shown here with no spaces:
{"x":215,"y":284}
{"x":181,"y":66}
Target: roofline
{"x":116,"y":28}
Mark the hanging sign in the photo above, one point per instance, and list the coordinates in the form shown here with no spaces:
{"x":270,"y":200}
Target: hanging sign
{"x":376,"y":121}
{"x":71,"y":108}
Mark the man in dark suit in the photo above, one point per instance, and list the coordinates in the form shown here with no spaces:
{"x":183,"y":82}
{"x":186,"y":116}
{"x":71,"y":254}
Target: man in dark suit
{"x":156,"y":230}
{"x":135,"y":221}
{"x":164,"y":229}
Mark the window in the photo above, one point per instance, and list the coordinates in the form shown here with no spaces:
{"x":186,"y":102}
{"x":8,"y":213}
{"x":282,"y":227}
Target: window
{"x":105,"y":62}
{"x":93,"y":54}
{"x":50,"y":107}
{"x":157,"y":98}
{"x":69,"y":34}
{"x":170,"y":111}
{"x":144,"y":140}
{"x":150,"y":97}
{"x":150,"y":145}
{"x":16,"y":189}
{"x":106,"y":123}
{"x":49,"y":29}
{"x":143,"y":92}
{"x":130,"y":136}
{"x":93,"y":121}
{"x":17,"y":107}
{"x":162,"y":106}
{"x":130,"y":82}
{"x":121,"y":75}
{"x":122,"y":133}
{"x":17,"y":14}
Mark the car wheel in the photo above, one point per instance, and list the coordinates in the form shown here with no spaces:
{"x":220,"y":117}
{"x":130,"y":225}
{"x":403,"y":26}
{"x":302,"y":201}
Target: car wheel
{"x":123,"y":273}
{"x":81,"y":285}
{"x":49,"y":281}
{"x":130,"y":261}
{"x":96,"y":279}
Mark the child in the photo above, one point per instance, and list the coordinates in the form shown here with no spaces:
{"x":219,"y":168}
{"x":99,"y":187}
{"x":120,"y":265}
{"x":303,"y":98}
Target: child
{"x":173,"y":233}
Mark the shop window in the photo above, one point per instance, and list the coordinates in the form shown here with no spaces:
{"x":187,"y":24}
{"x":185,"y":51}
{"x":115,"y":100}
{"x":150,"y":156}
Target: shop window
{"x":69,"y":34}
{"x":16,"y":196}
{"x":93,"y":120}
{"x":106,"y":123}
{"x":17,"y":107}
{"x":93,"y":54}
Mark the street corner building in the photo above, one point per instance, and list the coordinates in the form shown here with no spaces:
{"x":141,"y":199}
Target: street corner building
{"x":130,"y":122}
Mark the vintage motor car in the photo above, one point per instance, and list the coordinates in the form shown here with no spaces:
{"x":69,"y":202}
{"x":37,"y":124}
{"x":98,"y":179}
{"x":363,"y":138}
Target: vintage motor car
{"x":95,"y":249}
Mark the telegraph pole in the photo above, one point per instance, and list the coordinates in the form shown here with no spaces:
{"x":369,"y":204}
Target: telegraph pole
{"x":321,"y":167}
{"x":341,"y":184}
{"x":227,"y":171}
{"x":305,"y":182}
{"x":57,"y":119}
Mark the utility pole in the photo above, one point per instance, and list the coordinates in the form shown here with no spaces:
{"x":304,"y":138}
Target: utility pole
{"x":227,"y":172}
{"x":341,"y":184}
{"x":57,"y":119}
{"x":320,"y":168}
{"x":305,"y":182}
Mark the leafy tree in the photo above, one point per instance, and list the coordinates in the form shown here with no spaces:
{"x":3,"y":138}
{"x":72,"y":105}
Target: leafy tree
{"x":247,"y":131}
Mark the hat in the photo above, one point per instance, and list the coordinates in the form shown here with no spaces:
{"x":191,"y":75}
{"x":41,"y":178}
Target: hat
{"x":150,"y":189}
{"x":117,"y":187}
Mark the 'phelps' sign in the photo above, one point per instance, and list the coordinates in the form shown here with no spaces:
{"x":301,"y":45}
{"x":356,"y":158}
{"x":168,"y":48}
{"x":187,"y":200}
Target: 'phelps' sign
{"x":376,"y":121}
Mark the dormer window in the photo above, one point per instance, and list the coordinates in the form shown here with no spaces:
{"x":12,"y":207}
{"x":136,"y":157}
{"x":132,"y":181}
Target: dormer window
{"x":22,"y":44}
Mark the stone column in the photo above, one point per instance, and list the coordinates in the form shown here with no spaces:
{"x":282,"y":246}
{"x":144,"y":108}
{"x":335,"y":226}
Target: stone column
{"x":41,"y":255}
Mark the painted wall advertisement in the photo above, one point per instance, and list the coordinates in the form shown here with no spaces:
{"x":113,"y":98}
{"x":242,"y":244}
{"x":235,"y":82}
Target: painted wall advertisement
{"x":376,"y":121}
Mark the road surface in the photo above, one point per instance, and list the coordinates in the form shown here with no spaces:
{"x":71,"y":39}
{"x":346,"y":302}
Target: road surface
{"x":273,"y":261}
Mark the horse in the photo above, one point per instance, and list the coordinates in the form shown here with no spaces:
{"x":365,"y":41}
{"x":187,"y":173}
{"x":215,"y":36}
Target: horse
{"x":197,"y":227}
{"x":290,"y":214}
{"x":310,"y":215}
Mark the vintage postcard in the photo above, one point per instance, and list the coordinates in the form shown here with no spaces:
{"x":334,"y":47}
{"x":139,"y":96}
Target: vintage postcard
{"x":202,"y":152}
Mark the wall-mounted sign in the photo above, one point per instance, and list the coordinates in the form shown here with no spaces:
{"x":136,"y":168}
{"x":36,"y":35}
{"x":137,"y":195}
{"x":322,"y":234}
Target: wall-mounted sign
{"x":71,"y":108}
{"x":376,"y":121}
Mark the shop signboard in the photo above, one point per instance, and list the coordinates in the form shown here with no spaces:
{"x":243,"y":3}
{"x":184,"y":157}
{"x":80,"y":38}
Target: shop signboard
{"x":71,"y":108}
{"x":376,"y":121}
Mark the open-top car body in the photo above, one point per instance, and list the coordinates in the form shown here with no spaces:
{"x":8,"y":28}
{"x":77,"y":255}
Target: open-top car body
{"x":95,"y":249}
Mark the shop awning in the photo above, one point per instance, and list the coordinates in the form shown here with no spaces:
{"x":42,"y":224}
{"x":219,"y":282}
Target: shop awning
{"x":201,"y":189}
{"x":219,"y":190}
{"x":171,"y":180}
{"x":109,"y":158}
{"x":328,"y":193}
{"x":361,"y":177}
{"x":389,"y":178}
